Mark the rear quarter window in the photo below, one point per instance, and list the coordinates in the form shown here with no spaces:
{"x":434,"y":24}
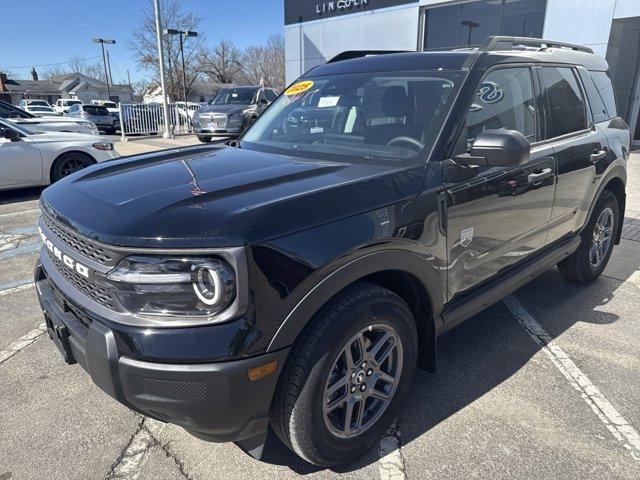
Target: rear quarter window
{"x":604,"y":85}
{"x":598,"y":108}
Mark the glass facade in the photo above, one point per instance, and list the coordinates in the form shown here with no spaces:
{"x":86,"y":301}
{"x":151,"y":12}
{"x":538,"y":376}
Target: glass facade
{"x":470,"y":23}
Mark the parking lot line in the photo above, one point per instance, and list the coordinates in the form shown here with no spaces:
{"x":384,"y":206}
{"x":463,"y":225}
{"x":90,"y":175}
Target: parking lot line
{"x":22,"y":342}
{"x":624,"y":432}
{"x":18,"y":286}
{"x":21,"y":212}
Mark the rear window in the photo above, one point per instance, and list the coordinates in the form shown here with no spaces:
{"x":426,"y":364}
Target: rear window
{"x":96,"y":110}
{"x":67,"y":103}
{"x":605,"y":88}
{"x":566,"y":105}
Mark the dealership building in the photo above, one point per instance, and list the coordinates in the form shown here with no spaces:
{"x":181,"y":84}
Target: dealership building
{"x":317,"y":30}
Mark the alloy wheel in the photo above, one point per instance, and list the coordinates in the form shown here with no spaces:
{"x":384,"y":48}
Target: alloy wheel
{"x":602,"y":236}
{"x":363,"y":380}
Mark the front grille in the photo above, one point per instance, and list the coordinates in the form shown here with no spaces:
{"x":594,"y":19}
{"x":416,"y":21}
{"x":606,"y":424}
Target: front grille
{"x":80,"y":244}
{"x":94,"y":292}
{"x":214,"y":121}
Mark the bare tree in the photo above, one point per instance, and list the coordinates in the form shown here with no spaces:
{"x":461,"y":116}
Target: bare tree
{"x":221,"y":63}
{"x":145,"y":46}
{"x":77,"y":64}
{"x":10,"y":75}
{"x":265,"y":63}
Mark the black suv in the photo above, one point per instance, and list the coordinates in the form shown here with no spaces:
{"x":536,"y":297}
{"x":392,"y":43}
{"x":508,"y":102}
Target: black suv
{"x":297,"y":278}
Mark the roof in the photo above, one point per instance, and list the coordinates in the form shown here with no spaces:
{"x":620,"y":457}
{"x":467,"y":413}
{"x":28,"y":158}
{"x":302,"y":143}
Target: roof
{"x":32,"y":86}
{"x":60,"y":83}
{"x":495,"y":50}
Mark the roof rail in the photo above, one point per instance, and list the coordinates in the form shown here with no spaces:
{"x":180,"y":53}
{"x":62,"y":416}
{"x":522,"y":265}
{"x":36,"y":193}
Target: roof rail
{"x":507,"y":43}
{"x":350,"y":54}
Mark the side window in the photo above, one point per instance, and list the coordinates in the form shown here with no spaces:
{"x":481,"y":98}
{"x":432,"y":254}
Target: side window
{"x":605,"y":88}
{"x":595,"y":100}
{"x":566,"y":105}
{"x":73,"y":109}
{"x":504,"y":100}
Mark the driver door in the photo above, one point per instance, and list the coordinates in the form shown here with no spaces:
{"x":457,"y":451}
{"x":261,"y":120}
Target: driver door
{"x":498,"y":216}
{"x":20,"y":161}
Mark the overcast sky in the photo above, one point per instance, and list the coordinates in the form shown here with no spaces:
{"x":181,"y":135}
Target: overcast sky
{"x":36,"y":32}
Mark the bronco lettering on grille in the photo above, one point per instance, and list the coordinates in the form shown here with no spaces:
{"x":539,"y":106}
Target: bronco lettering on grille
{"x":65,"y":259}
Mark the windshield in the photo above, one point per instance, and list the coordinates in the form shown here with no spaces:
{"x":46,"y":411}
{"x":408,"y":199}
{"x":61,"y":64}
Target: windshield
{"x":235,"y":96}
{"x":40,"y":109}
{"x":109,"y":105}
{"x":42,"y":103}
{"x":68,"y":103}
{"x":364,"y":117}
{"x":95,"y":110}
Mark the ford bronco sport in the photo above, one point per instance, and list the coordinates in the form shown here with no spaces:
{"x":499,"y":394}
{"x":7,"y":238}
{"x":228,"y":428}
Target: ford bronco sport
{"x":294,"y":279}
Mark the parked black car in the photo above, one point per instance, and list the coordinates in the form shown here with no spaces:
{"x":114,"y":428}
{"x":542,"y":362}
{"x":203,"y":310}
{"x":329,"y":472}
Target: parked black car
{"x":231,"y":112}
{"x":298,"y":278}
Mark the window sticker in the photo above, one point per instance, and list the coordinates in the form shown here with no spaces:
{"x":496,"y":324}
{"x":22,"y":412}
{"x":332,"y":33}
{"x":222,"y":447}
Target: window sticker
{"x":299,"y":87}
{"x":490,"y":92}
{"x":328,"y":101}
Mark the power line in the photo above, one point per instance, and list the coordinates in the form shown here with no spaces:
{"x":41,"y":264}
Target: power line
{"x":52,"y":64}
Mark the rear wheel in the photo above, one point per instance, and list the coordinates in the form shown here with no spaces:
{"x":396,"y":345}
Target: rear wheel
{"x":588,"y":262}
{"x":346,"y":376}
{"x":69,"y":163}
{"x":204,"y":139}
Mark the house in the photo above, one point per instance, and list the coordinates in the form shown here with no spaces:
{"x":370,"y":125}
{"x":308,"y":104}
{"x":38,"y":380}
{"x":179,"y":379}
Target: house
{"x":201,"y":91}
{"x":70,"y":85}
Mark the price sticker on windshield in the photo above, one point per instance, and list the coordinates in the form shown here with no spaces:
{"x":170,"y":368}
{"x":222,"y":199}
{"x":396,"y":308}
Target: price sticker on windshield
{"x":299,"y":88}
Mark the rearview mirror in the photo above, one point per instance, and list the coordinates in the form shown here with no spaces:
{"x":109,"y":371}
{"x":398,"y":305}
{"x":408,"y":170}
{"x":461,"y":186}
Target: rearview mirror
{"x":11,"y":134}
{"x":497,"y":148}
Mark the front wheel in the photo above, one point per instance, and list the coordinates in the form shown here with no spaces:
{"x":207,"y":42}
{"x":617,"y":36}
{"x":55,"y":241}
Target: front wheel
{"x":347,"y":376}
{"x":590,"y":259}
{"x":204,"y":139}
{"x":69,"y":163}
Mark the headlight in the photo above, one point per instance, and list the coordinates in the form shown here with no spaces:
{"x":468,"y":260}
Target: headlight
{"x":237,"y":115}
{"x":171,"y":286}
{"x":103,"y":146}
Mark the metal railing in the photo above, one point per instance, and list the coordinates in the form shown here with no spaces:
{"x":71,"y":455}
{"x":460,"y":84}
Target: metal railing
{"x":148,"y":119}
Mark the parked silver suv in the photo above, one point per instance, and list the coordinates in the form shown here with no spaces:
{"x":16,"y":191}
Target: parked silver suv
{"x":231,"y":112}
{"x":96,"y":114}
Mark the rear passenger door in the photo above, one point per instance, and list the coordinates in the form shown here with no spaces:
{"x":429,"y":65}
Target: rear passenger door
{"x":578,"y":144}
{"x":497,"y":216}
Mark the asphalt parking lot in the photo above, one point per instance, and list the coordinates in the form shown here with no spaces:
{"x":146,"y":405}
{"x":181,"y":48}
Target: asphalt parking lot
{"x":543,"y":385}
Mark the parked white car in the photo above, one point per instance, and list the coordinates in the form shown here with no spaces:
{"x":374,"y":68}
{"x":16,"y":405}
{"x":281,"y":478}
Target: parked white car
{"x":63,"y":104}
{"x":40,"y":103}
{"x":29,"y":158}
{"x":52,"y":123}
{"x":41,"y":111}
{"x":108,"y":104}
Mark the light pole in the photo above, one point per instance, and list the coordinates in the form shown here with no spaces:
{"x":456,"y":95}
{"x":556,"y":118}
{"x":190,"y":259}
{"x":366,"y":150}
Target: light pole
{"x":102,"y":41}
{"x":471,"y":24}
{"x":167,"y":131}
{"x":182,"y":34}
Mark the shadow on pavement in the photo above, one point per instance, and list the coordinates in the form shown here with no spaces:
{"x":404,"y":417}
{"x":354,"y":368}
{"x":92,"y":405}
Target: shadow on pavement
{"x":20,"y":195}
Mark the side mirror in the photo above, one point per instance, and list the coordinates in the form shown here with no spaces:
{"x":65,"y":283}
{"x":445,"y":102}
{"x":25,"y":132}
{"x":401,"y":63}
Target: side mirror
{"x":11,"y":134}
{"x":497,"y":148}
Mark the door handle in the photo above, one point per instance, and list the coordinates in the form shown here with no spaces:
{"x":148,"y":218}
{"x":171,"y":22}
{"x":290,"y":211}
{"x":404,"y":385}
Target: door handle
{"x":537,"y":178}
{"x":597,"y":155}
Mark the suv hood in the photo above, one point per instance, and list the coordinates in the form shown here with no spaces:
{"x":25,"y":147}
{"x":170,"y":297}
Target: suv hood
{"x":202,"y":197}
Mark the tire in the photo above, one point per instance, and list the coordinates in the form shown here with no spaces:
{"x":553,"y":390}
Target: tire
{"x":69,"y":163}
{"x":204,"y":139}
{"x":319,"y":357}
{"x":588,"y":261}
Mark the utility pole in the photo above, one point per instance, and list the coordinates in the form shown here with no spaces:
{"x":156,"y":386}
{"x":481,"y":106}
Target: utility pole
{"x":165,"y":107}
{"x":109,"y":67}
{"x":102,"y":41}
{"x":130,"y":87}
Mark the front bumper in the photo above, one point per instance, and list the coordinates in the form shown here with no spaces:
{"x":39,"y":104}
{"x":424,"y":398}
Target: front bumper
{"x":214,"y":401}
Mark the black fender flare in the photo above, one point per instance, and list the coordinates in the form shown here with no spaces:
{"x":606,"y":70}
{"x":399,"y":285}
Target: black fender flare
{"x":390,"y":259}
{"x":616,"y":170}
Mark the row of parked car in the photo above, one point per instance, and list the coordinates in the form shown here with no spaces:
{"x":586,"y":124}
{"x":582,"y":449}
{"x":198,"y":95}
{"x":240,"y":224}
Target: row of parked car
{"x":102,"y":113}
